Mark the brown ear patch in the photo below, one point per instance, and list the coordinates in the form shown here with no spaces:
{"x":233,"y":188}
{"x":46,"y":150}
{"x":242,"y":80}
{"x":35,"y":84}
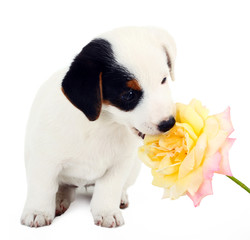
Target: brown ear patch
{"x":99,"y":106}
{"x":134,"y":85}
{"x":107,"y":102}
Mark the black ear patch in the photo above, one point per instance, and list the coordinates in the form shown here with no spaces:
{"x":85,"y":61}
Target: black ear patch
{"x":95,"y":77}
{"x":82,"y":84}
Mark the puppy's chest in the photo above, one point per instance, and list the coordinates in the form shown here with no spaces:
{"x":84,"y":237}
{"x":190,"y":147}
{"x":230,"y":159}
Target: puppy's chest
{"x":96,"y":153}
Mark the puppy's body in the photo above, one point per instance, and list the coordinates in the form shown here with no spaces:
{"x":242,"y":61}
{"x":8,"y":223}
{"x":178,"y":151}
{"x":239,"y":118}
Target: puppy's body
{"x":66,"y":147}
{"x":61,"y":134}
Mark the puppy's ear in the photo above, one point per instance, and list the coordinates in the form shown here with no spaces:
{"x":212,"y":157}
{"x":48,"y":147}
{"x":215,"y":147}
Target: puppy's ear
{"x":82,"y":84}
{"x":168,"y":44}
{"x":170,"y":59}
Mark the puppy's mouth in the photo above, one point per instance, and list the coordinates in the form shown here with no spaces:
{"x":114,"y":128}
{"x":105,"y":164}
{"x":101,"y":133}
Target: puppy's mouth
{"x":138,"y":133}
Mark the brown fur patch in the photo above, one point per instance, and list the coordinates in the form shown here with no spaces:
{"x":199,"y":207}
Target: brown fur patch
{"x":103,"y":101}
{"x":134,"y":85}
{"x":107,"y":102}
{"x":100,"y":84}
{"x":99,"y":105}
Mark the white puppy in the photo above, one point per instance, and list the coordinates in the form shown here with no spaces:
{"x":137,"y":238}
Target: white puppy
{"x":85,"y":121}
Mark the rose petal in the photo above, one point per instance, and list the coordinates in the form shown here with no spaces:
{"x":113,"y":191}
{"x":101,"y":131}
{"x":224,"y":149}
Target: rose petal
{"x":191,"y":182}
{"x":166,"y":193}
{"x":211,"y":165}
{"x":167,"y":167}
{"x":212,"y":127}
{"x":187,"y":165}
{"x":151,"y":138}
{"x":204,"y":190}
{"x":189,"y":115}
{"x":189,"y":130}
{"x":172,"y":193}
{"x":224,"y":164}
{"x":170,"y":142}
{"x":202,"y":111}
{"x":225,"y":122}
{"x":196,"y":181}
{"x":144,"y":157}
{"x":218,"y":127}
{"x":199,"y":149}
{"x":179,"y":109}
{"x":161,"y":180}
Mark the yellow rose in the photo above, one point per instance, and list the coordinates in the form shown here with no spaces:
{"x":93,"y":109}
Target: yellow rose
{"x":184,"y":159}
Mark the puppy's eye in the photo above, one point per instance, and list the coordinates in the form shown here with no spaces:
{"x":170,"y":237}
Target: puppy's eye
{"x":128,"y":96}
{"x":163,"y":80}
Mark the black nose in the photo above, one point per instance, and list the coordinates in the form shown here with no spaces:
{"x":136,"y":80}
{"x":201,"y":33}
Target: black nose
{"x":164,"y":126}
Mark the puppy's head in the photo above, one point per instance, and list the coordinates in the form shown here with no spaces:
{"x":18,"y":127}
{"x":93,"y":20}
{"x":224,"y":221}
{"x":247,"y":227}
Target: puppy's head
{"x":125,"y":72}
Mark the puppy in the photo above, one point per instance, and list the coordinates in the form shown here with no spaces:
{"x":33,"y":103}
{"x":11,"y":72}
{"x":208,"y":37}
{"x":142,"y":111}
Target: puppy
{"x":86,"y":122}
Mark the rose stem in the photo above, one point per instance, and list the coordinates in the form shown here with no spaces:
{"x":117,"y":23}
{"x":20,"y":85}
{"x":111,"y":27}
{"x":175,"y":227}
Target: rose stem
{"x":239,"y":183}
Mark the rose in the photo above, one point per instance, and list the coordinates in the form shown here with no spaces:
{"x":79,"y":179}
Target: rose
{"x":184,"y":160}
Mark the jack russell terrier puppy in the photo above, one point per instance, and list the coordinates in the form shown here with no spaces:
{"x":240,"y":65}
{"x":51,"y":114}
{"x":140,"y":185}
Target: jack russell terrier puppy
{"x":86,"y":122}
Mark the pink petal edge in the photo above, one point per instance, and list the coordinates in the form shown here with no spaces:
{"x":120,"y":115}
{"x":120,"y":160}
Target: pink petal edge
{"x":211,"y":165}
{"x":218,"y":163}
{"x":224,"y":164}
{"x":226,"y":115}
{"x":204,"y":190}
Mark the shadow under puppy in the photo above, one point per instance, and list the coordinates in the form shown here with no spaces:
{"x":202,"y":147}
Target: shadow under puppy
{"x":86,"y":122}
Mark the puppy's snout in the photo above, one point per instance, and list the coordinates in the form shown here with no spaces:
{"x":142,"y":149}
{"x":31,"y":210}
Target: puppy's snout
{"x":164,"y":126}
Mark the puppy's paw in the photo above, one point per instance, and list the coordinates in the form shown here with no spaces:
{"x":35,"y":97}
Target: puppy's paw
{"x":64,"y":197}
{"x":124,"y":201}
{"x":62,"y":202}
{"x":109,"y":220}
{"x":38,"y":219}
{"x":62,"y":206}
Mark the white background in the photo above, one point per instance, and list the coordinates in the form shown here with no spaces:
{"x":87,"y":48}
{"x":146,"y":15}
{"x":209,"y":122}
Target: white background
{"x":213,"y":65}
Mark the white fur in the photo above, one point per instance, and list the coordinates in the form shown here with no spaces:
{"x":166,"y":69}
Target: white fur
{"x":63,"y":146}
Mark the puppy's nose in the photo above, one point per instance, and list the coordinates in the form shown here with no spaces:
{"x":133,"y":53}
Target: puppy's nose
{"x":164,"y":126}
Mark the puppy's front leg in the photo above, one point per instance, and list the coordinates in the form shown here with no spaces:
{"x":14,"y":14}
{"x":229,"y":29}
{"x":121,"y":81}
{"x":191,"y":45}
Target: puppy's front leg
{"x":107,"y":196}
{"x":39,"y":209}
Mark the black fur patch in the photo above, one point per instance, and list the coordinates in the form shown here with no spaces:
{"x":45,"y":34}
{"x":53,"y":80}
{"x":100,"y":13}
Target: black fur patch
{"x":95,"y":77}
{"x":115,"y":87}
